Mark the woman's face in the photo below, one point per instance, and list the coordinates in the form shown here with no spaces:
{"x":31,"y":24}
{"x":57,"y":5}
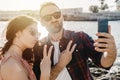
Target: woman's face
{"x":29,"y":36}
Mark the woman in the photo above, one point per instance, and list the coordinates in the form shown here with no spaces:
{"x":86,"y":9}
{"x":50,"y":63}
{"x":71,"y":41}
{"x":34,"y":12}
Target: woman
{"x":21,"y":37}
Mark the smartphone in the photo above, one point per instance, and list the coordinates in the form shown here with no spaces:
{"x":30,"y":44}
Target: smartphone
{"x":102,"y":26}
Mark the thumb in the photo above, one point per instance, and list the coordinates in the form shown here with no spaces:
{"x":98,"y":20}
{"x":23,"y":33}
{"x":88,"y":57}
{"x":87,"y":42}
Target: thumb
{"x":109,"y":29}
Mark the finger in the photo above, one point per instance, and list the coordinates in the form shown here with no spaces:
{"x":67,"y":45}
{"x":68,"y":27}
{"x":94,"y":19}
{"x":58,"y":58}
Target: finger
{"x":45,"y":51}
{"x":107,"y":35}
{"x":41,"y":61}
{"x":50,"y":51}
{"x":69,"y":45}
{"x":103,"y":40}
{"x":73,"y":48}
{"x":109,"y":29}
{"x":101,"y":45}
{"x":101,"y":50}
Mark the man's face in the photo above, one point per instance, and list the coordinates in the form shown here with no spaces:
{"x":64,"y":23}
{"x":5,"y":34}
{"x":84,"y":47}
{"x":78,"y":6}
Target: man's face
{"x":52,"y":18}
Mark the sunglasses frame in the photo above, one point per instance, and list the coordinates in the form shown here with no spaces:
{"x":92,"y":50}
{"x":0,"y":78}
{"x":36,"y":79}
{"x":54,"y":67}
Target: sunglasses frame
{"x":34,"y":33}
{"x":56,"y":15}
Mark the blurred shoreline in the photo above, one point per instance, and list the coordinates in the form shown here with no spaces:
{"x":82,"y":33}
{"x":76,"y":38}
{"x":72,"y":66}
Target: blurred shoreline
{"x":69,"y":15}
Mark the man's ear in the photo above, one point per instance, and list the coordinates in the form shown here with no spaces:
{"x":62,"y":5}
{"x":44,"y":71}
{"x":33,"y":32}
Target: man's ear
{"x":62,"y":17}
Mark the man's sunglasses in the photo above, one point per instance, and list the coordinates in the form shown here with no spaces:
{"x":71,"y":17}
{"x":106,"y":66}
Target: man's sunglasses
{"x":56,"y":15}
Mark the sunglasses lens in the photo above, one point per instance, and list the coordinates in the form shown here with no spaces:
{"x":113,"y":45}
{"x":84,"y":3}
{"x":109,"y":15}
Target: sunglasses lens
{"x":47,"y":18}
{"x":34,"y":33}
{"x":57,"y":15}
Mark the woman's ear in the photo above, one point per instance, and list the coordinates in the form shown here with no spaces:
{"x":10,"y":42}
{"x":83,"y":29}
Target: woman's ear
{"x":18,"y":34}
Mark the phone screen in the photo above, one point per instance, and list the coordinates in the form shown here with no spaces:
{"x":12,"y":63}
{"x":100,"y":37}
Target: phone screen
{"x":103,"y":25}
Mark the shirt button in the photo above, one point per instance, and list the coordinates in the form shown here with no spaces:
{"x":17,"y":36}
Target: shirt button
{"x":68,"y":68}
{"x":76,"y":50}
{"x":60,"y":46}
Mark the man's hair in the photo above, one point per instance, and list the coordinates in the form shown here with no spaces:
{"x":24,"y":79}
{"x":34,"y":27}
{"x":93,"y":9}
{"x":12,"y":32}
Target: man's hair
{"x":47,"y":4}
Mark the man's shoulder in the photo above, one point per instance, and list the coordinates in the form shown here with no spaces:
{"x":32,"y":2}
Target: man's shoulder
{"x":70,"y":33}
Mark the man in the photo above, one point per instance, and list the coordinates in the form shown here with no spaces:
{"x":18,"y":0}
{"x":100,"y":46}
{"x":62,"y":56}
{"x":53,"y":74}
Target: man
{"x":76,"y":68}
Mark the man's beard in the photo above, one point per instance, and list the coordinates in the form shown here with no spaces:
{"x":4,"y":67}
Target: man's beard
{"x":55,"y":28}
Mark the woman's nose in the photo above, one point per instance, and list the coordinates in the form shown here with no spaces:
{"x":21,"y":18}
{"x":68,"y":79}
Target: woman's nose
{"x":37,"y":36}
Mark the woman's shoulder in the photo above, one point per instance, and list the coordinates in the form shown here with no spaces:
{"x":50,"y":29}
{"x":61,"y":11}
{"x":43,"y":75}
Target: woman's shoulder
{"x":11,"y":67}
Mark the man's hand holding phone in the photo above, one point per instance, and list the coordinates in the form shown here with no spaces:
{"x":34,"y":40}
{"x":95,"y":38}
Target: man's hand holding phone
{"x":103,"y":28}
{"x":105,"y":41}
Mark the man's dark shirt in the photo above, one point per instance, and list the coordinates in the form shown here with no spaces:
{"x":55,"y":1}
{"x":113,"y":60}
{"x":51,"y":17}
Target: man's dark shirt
{"x":78,"y":67}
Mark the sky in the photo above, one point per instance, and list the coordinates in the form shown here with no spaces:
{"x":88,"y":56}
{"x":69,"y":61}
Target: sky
{"x":35,"y":4}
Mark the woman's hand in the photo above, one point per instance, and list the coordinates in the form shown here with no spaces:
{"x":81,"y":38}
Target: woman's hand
{"x":45,"y":65}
